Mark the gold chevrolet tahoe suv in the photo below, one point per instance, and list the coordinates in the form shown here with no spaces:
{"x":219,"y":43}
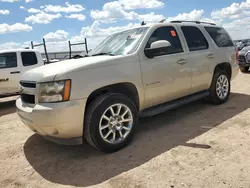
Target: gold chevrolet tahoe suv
{"x":134,"y":73}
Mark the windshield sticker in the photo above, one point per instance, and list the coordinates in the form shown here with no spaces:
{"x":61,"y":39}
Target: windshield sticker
{"x":173,"y":33}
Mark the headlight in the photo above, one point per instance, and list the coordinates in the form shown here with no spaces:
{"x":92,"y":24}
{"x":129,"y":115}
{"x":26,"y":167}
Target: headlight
{"x":57,"y":91}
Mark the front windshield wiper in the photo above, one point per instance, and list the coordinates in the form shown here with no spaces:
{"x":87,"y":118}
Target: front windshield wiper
{"x":104,"y":53}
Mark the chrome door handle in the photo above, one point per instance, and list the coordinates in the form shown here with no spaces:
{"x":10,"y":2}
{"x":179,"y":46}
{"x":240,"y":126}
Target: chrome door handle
{"x":182,"y":61}
{"x":210,"y":56}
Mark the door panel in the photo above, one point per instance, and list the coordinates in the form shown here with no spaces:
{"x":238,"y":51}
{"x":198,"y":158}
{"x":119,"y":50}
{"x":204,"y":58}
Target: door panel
{"x":167,"y":76}
{"x":200,"y":65}
{"x":200,"y":57}
{"x":9,"y":73}
{"x":164,"y":79}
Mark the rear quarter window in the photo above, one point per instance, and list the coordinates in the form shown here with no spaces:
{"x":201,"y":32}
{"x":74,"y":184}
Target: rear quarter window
{"x":29,"y":58}
{"x":220,"y":36}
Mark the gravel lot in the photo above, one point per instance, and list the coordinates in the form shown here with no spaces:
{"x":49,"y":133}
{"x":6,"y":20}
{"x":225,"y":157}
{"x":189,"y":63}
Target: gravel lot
{"x":198,"y":145}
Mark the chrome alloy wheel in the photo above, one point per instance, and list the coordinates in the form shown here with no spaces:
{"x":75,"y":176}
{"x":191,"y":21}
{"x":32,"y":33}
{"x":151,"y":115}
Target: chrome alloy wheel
{"x":222,"y":87}
{"x":116,"y":123}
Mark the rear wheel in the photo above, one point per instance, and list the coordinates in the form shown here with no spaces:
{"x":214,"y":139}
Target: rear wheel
{"x":244,"y":69}
{"x":220,"y":88}
{"x":110,"y":122}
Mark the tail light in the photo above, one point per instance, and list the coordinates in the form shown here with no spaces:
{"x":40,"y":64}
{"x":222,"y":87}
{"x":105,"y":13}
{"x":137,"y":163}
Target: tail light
{"x":237,"y":55}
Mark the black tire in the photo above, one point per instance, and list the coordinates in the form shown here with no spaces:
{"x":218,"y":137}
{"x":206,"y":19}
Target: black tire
{"x":213,"y":97}
{"x":92,"y":118}
{"x":244,"y":69}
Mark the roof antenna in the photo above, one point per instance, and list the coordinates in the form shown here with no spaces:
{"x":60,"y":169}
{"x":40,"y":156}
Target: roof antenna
{"x":143,"y":23}
{"x":162,"y":21}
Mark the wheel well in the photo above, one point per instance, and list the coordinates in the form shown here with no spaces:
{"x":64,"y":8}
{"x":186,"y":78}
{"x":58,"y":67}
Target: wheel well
{"x":127,"y":89}
{"x":224,"y":66}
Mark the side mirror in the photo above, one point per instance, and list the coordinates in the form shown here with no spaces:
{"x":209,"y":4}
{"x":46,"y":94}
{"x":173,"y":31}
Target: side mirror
{"x":160,"y":44}
{"x":156,"y":47}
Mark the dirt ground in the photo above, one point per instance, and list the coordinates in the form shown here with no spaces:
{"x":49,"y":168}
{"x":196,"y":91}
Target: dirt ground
{"x":198,"y":145}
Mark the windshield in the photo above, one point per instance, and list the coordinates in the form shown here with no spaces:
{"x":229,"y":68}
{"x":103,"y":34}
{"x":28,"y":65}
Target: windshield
{"x":121,"y":43}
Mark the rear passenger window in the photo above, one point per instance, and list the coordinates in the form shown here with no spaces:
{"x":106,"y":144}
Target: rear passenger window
{"x":220,"y":36}
{"x":8,"y":60}
{"x":29,"y":58}
{"x":169,"y":34}
{"x":195,"y":39}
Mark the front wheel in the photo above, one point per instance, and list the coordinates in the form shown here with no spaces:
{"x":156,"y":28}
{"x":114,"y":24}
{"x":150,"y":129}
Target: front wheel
{"x":110,"y":122}
{"x":220,"y":88}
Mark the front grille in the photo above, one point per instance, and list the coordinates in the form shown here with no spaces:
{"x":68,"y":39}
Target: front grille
{"x":28,"y":84}
{"x":242,"y":59}
{"x":28,"y":91}
{"x":28,"y":98}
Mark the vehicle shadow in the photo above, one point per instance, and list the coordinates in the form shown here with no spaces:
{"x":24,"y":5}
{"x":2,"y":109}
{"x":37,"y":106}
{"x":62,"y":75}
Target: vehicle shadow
{"x":7,"y":107}
{"x":84,"y":166}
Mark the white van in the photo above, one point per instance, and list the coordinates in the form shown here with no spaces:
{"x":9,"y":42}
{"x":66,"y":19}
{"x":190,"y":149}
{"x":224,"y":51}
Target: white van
{"x":13,"y":63}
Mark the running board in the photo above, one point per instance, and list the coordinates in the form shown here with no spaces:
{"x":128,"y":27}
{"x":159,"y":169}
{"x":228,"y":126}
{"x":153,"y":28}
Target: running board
{"x":173,"y":104}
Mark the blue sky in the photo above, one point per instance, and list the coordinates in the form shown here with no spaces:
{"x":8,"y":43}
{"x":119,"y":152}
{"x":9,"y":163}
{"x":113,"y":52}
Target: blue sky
{"x":60,"y":20}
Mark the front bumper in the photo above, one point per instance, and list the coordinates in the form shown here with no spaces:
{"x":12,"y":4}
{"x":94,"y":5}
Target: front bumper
{"x":57,"y":122}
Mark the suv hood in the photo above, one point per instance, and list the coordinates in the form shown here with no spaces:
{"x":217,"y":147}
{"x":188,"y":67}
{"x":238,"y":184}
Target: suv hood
{"x":48,"y":72}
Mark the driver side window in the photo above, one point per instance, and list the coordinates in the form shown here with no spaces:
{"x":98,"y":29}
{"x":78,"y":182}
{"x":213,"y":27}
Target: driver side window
{"x":166,"y":33}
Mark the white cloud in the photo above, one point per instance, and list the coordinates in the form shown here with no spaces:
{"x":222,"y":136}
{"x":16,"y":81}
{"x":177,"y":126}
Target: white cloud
{"x":194,"y":15}
{"x":111,"y":11}
{"x":60,"y":46}
{"x":150,"y":18}
{"x":94,"y":30}
{"x":22,"y":7}
{"x":95,"y":34}
{"x":4,"y":12}
{"x":114,"y":11}
{"x":235,"y":18}
{"x":140,"y":4}
{"x":28,"y":1}
{"x":42,"y":18}
{"x":238,"y":29}
{"x":79,"y":17}
{"x":66,"y":9}
{"x":17,"y":27}
{"x":9,"y":1}
{"x":234,"y":11}
{"x":9,"y":45}
{"x":59,"y":35}
{"x":33,"y":10}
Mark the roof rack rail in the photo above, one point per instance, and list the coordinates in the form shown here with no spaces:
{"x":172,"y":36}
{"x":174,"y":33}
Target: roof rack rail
{"x":197,"y":22}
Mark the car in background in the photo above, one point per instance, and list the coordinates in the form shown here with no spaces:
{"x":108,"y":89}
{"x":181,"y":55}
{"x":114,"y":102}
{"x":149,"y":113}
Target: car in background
{"x":244,"y":59}
{"x":13,"y":63}
{"x":242,"y":44}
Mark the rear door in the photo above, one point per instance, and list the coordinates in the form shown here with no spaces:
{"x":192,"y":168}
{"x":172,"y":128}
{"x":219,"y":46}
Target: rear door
{"x":200,"y":57}
{"x":9,"y":73}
